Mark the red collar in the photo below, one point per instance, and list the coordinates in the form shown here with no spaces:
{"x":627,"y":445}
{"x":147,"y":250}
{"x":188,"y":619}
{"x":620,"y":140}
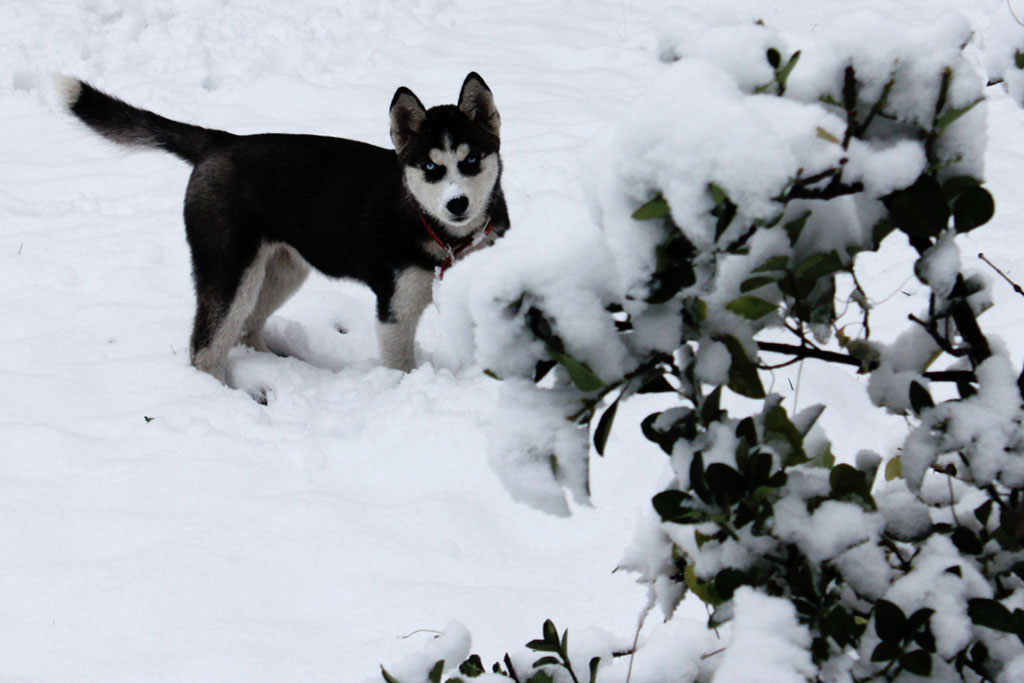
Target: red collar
{"x":452,"y":253}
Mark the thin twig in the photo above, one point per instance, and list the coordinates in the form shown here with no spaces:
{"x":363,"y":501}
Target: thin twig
{"x":952,"y":500}
{"x":1016,"y":287}
{"x":712,"y":654}
{"x":939,"y":340}
{"x":864,"y":304}
{"x":1012,"y":13}
{"x":421,"y":630}
{"x":802,"y":352}
{"x":636,"y":639}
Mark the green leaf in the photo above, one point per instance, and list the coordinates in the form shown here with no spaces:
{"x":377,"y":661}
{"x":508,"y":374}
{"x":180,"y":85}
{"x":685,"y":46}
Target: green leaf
{"x":701,"y":539}
{"x":435,"y":674}
{"x":725,"y":484}
{"x":728,"y":580}
{"x":550,"y":632}
{"x":743,"y":377}
{"x":894,"y":469}
{"x":919,"y":210}
{"x":819,"y":265}
{"x":718,"y":195}
{"x":540,"y":371}
{"x":1018,"y":619}
{"x":784,"y":437}
{"x":918,"y":662}
{"x":773,"y":264}
{"x":926,"y":640}
{"x":697,"y":481}
{"x":882,"y":229}
{"x":973,"y":207}
{"x":604,"y":427}
{"x":542,"y":646}
{"x":710,"y":410}
{"x":388,"y":677}
{"x":1018,"y":59}
{"x":703,"y":590}
{"x":582,"y":376}
{"x":795,"y":227}
{"x":472,"y":667}
{"x":747,"y":431}
{"x":673,"y":267}
{"x":774,"y":58}
{"x":541,"y":677}
{"x":966,"y":541}
{"x":750,"y":307}
{"x":886,"y":651}
{"x":991,"y":614}
{"x":725,"y":214}
{"x":947,"y":117}
{"x":782,"y":75}
{"x":546,"y":661}
{"x":983,"y":512}
{"x":753,"y":283}
{"x":890,"y":622}
{"x":760,"y":470}
{"x":957,"y":185}
{"x":675,"y":506}
{"x":920,"y":618}
{"x":825,"y":135}
{"x":656,"y":385}
{"x":920,"y":399}
{"x":656,"y":208}
{"x":594,"y":664}
{"x":850,"y":483}
{"x":700,"y":312}
{"x":806,"y":418}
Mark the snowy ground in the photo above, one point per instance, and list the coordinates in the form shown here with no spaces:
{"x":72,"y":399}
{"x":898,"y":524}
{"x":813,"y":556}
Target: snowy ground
{"x":158,"y":526}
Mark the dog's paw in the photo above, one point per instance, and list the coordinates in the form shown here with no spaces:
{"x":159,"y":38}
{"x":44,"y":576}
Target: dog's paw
{"x":261,"y":395}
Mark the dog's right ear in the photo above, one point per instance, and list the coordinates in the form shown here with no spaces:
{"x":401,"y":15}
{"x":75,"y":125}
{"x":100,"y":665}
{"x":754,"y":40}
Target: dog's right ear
{"x":407,"y":115}
{"x":477,"y":102}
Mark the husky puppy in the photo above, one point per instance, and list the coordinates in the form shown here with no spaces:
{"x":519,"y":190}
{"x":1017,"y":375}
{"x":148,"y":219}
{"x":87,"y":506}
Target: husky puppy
{"x":260,"y":210}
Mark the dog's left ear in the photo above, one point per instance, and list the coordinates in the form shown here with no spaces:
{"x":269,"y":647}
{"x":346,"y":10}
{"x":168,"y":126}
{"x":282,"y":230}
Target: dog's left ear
{"x":407,"y":116}
{"x":477,"y":102}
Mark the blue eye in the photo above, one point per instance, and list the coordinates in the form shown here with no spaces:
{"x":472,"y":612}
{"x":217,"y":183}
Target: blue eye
{"x":471,"y":160}
{"x":429,"y":166}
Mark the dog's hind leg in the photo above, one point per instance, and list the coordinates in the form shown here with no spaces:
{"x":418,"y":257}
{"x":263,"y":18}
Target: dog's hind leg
{"x":220,"y":319}
{"x":399,"y":316}
{"x":285,"y":271}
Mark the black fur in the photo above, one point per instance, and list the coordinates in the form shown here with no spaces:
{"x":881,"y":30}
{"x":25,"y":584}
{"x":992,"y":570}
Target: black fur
{"x":341,"y":204}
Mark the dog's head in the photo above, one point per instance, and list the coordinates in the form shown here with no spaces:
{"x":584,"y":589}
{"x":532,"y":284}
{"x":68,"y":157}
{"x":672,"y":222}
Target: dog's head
{"x":449,"y":154}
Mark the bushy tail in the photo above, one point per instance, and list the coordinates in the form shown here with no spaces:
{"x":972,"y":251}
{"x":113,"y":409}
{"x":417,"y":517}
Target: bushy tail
{"x":121,"y":122}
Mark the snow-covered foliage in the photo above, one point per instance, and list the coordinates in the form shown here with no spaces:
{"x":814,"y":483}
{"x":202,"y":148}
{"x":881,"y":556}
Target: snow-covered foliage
{"x":732,"y":205}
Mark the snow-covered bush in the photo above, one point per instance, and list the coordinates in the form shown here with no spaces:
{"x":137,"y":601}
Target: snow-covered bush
{"x":732,"y":205}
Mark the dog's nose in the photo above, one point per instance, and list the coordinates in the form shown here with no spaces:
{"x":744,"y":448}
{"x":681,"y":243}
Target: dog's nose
{"x":458,"y":205}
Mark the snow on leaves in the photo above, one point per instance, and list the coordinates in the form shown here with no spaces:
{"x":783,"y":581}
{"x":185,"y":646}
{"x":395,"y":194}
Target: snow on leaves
{"x":740,"y":209}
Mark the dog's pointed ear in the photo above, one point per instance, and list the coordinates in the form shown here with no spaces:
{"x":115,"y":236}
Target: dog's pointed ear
{"x":407,"y":115}
{"x":477,"y":102}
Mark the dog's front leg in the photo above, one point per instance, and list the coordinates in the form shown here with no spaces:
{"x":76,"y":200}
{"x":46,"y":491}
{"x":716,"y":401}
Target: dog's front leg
{"x":400,"y":315}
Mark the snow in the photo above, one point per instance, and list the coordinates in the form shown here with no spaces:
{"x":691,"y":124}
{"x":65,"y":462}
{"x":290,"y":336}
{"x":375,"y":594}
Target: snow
{"x":831,"y":529}
{"x":906,"y":517}
{"x":768,"y":645}
{"x":932,"y":585}
{"x":160,"y":526}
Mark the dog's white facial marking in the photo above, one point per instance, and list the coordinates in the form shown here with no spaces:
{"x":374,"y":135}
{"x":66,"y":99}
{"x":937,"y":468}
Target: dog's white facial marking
{"x":454,"y":186}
